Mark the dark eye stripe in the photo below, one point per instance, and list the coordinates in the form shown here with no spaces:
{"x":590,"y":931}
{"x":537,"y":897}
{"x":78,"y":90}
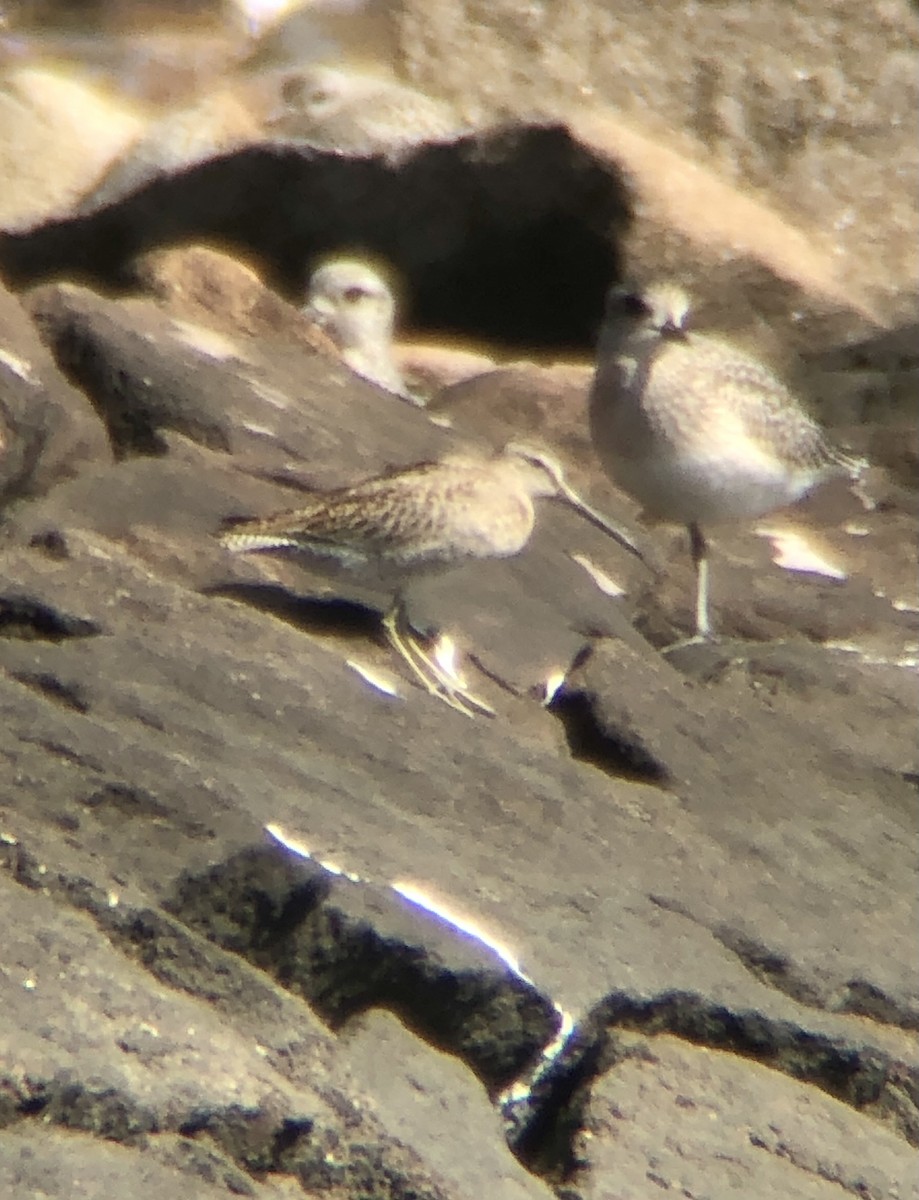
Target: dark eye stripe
{"x":353,"y":294}
{"x":635,"y":305}
{"x":626,"y":303}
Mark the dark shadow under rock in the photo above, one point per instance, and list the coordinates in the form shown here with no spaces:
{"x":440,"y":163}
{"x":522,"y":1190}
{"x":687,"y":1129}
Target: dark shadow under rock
{"x":442,"y":217}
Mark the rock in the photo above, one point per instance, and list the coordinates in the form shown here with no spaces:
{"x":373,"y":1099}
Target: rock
{"x":278,"y":921}
{"x":788,"y":105}
{"x":56,"y":135}
{"x":215,"y":383}
{"x":172,"y":143}
{"x":153,"y":1084}
{"x":55,"y":1163}
{"x":409,"y":1083}
{"x":199,"y":284}
{"x":48,"y":430}
{"x":703,"y":832}
{"x":690,"y":1118}
{"x":430,"y":366}
{"x":546,"y":404}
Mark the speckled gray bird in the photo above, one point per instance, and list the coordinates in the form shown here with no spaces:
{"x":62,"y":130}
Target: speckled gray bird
{"x":352,"y":302}
{"x":697,"y":431}
{"x":428,"y":518}
{"x":351,"y":111}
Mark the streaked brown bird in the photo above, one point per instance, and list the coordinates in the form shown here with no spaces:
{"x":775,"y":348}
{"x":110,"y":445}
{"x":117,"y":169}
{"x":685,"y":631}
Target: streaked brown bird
{"x":428,"y":518}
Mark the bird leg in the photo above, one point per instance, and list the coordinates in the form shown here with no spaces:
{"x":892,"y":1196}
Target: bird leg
{"x":426,"y":669}
{"x":699,"y":550}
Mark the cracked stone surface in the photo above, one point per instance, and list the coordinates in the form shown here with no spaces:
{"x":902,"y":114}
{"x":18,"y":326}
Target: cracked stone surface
{"x":272,"y":930}
{"x":699,"y":1122}
{"x":702,"y":871}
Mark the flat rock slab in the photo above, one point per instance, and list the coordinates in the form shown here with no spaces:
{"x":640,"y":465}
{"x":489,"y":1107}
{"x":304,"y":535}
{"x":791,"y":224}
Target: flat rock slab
{"x":226,"y":850}
{"x":698,"y":1122}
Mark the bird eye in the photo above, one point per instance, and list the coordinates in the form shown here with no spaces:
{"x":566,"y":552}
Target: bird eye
{"x":353,"y":294}
{"x":292,"y":89}
{"x":635,"y":305}
{"x":620,"y":301}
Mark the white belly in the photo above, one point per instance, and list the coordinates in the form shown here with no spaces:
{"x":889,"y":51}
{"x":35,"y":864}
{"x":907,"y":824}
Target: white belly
{"x":708,"y":490}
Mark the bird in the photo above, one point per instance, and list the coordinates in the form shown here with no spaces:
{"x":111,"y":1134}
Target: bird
{"x":694,"y":428}
{"x":424,"y":519}
{"x":358,"y":112}
{"x":353,"y":303}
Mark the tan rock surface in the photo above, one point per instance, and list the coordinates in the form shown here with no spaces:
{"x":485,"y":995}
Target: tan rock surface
{"x":810,"y":107}
{"x":57,"y":134}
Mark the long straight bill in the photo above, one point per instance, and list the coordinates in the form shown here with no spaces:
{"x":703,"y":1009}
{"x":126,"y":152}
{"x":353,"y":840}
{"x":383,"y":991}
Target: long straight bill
{"x":596,"y":518}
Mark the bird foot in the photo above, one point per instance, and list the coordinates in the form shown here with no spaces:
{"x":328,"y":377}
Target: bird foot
{"x":449,"y":685}
{"x":437,"y":678}
{"x":697,"y":639}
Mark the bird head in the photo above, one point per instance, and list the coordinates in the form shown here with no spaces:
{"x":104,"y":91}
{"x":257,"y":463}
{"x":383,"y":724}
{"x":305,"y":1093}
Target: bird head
{"x":545,"y":478}
{"x":660,"y":310}
{"x":352,"y":302}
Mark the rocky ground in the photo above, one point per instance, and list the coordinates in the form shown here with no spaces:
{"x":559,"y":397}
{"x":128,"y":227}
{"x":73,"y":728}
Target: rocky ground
{"x":275,"y":929}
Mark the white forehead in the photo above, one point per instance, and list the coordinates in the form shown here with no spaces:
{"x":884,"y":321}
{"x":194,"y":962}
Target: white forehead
{"x":669,"y":304}
{"x":340,"y":275}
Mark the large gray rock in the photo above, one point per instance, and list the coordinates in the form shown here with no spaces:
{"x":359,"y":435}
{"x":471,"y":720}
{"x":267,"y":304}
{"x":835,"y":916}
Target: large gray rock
{"x":48,"y":430}
{"x":808,"y":107}
{"x":708,"y":860}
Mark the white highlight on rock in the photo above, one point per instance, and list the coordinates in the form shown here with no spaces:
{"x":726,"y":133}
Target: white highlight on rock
{"x":270,"y":395}
{"x":260,"y":15}
{"x":466,"y":925}
{"x":909,"y":658}
{"x":205,"y":341}
{"x":607,"y":585}
{"x":414,"y":894}
{"x":791,"y":550}
{"x":551,"y":686}
{"x":422,"y":898}
{"x":290,"y":843}
{"x":441,"y":420}
{"x":520,"y":1089}
{"x":259,"y":430}
{"x":380,"y":682}
{"x":18,"y":366}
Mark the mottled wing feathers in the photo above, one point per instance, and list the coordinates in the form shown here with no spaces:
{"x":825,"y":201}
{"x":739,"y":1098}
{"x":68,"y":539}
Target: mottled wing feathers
{"x":428,"y":514}
{"x":725,"y":385}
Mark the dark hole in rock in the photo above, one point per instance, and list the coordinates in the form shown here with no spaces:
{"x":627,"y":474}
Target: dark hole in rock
{"x":51,"y":542}
{"x":33,"y":1106}
{"x":289,"y":1136}
{"x":618,"y":753}
{"x":67,"y":695}
{"x":125,"y":799}
{"x":30,"y":620}
{"x":544,"y":1142}
{"x":512,"y":235}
